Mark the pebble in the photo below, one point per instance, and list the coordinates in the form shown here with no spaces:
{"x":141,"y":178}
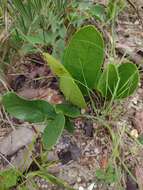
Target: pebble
{"x":87,"y":153}
{"x":42,"y":180}
{"x":84,"y":185}
{"x":135,"y":100}
{"x":83,"y":111}
{"x":136,"y":22}
{"x":91,"y":186}
{"x":81,"y":188}
{"x":96,"y":151}
{"x":92,"y":152}
{"x":76,"y":186}
{"x":78,"y":179}
{"x":134,"y":133}
{"x":83,"y":144}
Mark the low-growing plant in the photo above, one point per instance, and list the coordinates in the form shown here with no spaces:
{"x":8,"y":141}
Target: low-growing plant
{"x":80,"y":74}
{"x":83,"y":61}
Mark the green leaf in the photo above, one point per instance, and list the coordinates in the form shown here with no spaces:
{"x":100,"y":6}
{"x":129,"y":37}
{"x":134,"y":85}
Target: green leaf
{"x":8,"y":179}
{"x":84,"y":56}
{"x":69,"y":125}
{"x":40,"y":37}
{"x":129,"y":80}
{"x":108,"y":82}
{"x":108,"y":176}
{"x":56,"y":67}
{"x":72,"y":91}
{"x":98,"y":11}
{"x":140,"y":139}
{"x":68,"y":110}
{"x":35,"y":39}
{"x":58,"y":48}
{"x":119,"y":82}
{"x":67,"y":83}
{"x":53,"y":131}
{"x":27,"y":49}
{"x":27,"y":110}
{"x":19,"y":5}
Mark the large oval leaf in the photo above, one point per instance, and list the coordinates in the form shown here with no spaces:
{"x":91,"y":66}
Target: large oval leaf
{"x":84,"y":56}
{"x":108,"y":82}
{"x":53,"y":131}
{"x":67,"y":83}
{"x":27,"y":110}
{"x":129,"y":79}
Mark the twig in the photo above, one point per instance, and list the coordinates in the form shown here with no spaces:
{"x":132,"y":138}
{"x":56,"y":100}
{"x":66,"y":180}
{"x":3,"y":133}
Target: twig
{"x":2,"y":156}
{"x":9,"y":121}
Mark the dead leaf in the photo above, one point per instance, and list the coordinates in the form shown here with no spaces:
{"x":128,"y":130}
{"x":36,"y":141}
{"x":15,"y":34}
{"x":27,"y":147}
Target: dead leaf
{"x":104,"y":162}
{"x":48,"y":94}
{"x":128,"y":51}
{"x":22,"y":159}
{"x":4,"y":131}
{"x":16,"y":140}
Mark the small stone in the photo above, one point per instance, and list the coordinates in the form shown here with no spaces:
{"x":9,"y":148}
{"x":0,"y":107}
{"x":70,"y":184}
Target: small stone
{"x":78,"y":179}
{"x":75,"y":186}
{"x":91,"y":186}
{"x":81,"y":188}
{"x":43,"y":186}
{"x":42,"y":180}
{"x":84,"y":184}
{"x":134,"y":133}
{"x":136,"y":22}
{"x":83,"y":111}
{"x":135,"y":100}
{"x":87,"y":153}
{"x":96,"y":151}
{"x":83,"y":144}
{"x":92,"y":152}
{"x":90,"y":166}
